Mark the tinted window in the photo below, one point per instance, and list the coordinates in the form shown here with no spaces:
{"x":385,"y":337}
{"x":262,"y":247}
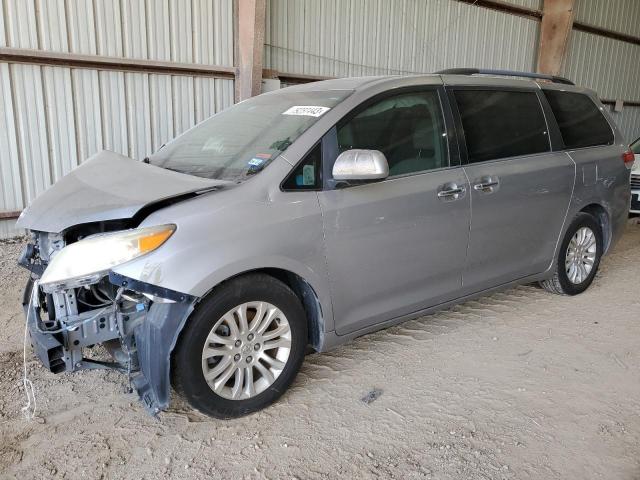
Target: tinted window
{"x":581,"y":122}
{"x":407,"y":128}
{"x":499,"y":124}
{"x":307,"y":175}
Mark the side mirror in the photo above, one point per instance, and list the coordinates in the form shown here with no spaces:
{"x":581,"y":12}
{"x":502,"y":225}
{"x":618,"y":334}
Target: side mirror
{"x":360,"y":165}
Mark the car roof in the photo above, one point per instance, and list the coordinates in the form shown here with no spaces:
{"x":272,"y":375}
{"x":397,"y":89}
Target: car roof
{"x":363,"y":83}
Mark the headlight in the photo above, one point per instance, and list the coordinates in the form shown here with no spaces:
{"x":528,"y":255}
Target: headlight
{"x":88,"y":260}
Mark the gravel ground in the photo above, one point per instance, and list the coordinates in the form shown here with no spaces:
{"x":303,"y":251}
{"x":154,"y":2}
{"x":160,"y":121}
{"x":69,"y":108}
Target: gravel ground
{"x":520,"y":384}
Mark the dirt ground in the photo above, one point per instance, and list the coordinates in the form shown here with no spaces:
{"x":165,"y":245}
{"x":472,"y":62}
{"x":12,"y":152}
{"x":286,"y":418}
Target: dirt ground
{"x":516,"y":385}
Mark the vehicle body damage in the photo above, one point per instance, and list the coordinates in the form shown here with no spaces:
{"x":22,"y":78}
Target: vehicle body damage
{"x":136,"y":321}
{"x":87,"y":225}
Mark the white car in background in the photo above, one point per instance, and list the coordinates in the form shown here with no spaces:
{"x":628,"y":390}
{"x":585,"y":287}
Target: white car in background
{"x":635,"y":179}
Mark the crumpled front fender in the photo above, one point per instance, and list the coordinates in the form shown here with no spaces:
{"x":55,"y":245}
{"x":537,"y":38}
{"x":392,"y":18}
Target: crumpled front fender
{"x":155,"y":339}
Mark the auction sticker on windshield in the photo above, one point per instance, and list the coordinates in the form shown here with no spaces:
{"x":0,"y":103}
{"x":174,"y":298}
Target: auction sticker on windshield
{"x":306,"y":110}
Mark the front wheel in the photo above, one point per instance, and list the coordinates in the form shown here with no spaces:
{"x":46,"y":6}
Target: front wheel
{"x":578,"y":257}
{"x":241,"y":348}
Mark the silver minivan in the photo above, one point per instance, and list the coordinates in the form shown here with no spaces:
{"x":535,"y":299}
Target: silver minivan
{"x":299,"y":219}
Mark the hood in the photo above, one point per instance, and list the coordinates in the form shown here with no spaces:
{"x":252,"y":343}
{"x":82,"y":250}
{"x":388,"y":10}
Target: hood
{"x":108,"y":186}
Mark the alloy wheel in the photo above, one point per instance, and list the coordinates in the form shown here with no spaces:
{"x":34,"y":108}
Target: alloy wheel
{"x":246,"y":350}
{"x":581,"y":255}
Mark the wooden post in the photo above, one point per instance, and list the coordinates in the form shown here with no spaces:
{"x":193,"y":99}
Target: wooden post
{"x":557,"y":21}
{"x":250,"y":45}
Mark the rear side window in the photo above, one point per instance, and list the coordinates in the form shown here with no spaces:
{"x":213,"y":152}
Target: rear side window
{"x":501,"y":124}
{"x":581,"y":122}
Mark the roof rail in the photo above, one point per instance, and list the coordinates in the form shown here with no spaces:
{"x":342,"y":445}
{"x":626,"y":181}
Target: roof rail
{"x":505,"y":73}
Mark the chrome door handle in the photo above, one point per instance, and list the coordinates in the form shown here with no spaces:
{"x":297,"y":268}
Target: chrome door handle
{"x":486,"y":184}
{"x":451,"y":192}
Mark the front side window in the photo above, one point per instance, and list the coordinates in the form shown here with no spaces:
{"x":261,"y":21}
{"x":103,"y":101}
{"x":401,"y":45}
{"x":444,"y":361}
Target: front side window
{"x":408,"y":128}
{"x":242,"y":140}
{"x":501,"y":124}
{"x":579,"y":119}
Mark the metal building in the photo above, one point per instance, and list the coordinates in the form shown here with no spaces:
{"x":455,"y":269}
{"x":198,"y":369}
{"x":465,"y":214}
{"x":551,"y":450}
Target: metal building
{"x":385,"y":37}
{"x":78,"y":76}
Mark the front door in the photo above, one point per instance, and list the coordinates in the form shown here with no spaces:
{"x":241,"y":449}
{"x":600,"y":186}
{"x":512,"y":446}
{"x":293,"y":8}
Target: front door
{"x":398,"y":245}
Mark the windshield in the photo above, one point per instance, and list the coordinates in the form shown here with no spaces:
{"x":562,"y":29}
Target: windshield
{"x":242,"y":140}
{"x":635,"y":146}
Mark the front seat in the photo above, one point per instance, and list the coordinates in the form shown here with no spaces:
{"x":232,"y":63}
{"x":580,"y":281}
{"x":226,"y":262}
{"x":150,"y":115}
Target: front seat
{"x":422,"y":155}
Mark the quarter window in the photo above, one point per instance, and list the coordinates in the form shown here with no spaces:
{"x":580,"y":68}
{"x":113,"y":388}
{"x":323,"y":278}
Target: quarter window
{"x":408,"y":128}
{"x":579,"y":120}
{"x":308,"y":174}
{"x":501,"y":124}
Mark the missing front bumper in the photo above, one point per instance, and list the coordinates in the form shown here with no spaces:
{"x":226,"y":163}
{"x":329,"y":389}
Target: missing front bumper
{"x":141,"y":337}
{"x":49,"y":350}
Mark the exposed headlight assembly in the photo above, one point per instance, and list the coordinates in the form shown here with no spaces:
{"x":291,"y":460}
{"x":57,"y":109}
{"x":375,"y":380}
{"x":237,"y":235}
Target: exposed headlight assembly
{"x":88,"y":260}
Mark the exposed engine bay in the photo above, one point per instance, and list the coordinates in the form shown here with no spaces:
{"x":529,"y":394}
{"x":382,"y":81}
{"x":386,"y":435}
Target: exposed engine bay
{"x":137,"y":323}
{"x":75,"y":300}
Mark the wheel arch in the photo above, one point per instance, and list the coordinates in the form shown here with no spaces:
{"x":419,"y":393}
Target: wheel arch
{"x":599,"y":212}
{"x":159,"y":383}
{"x":305,"y":292}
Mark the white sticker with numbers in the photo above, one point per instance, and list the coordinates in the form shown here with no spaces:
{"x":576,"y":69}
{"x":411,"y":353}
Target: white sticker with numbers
{"x":307,"y":110}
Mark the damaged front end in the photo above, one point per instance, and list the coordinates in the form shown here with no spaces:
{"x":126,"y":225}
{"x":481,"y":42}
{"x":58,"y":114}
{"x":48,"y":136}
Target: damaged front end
{"x":73,"y":305}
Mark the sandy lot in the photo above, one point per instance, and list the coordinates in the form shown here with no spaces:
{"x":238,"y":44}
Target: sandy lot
{"x":521,"y":384}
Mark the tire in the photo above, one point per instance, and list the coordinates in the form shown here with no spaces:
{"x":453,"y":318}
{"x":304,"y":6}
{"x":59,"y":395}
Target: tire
{"x":272,"y":369}
{"x":561,"y":283}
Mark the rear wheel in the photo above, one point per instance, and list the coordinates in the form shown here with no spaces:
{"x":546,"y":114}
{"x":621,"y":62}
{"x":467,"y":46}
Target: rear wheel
{"x":578,"y":257}
{"x":241,"y":348}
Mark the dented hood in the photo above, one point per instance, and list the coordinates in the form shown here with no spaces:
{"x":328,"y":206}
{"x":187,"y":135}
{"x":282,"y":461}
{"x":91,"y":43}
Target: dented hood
{"x":107,"y":186}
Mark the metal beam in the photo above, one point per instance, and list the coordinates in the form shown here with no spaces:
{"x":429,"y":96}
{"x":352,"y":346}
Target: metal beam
{"x":625,"y":103}
{"x":505,"y":7}
{"x":41,"y":57}
{"x":10,"y":215}
{"x":557,"y":21}
{"x":536,"y":14}
{"x":603,"y":32}
{"x":251,"y":25}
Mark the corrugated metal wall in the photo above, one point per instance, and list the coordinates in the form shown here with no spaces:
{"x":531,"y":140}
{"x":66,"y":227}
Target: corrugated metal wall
{"x":52,"y":118}
{"x":629,"y":122}
{"x":375,"y":37}
{"x":610,"y":67}
{"x":618,"y":15}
